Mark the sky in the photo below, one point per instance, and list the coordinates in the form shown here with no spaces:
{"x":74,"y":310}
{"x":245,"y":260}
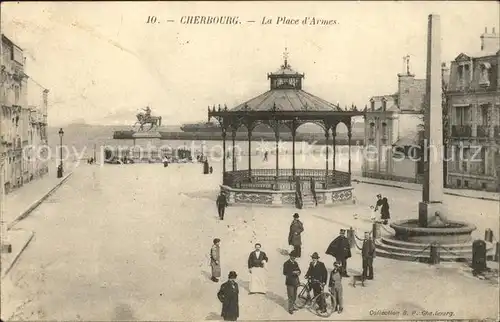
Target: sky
{"x":102,"y":62}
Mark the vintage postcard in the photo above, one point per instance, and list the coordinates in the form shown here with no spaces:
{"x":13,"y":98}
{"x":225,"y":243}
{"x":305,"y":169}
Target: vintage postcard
{"x":251,"y":161}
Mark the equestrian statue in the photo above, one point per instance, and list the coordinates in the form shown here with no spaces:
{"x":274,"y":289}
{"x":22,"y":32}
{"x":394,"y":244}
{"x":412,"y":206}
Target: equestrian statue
{"x":146,"y":118}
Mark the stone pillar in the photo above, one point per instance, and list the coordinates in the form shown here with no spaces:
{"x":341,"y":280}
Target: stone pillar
{"x":334,"y":155}
{"x":432,"y":194}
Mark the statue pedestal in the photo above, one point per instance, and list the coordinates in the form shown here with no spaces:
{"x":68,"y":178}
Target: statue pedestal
{"x":147,"y":139}
{"x":146,"y":147}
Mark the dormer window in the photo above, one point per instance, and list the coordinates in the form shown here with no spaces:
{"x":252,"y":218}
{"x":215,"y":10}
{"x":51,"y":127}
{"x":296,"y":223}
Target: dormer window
{"x":484,"y":74}
{"x":372,"y":105}
{"x":384,"y":104}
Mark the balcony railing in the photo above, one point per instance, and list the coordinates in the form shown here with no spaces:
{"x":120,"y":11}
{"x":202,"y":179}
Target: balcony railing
{"x":463,"y":131}
{"x":267,"y":179}
{"x":483,"y":131}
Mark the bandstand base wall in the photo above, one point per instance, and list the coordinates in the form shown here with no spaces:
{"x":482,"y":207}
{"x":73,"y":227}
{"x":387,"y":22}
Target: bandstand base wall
{"x":286,"y":198}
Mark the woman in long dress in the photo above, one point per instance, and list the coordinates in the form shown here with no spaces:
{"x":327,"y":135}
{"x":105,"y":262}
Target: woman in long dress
{"x":215,"y":260}
{"x":257,"y":262}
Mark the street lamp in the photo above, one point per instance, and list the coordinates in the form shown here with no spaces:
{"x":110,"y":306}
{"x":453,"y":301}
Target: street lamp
{"x":60,"y":168}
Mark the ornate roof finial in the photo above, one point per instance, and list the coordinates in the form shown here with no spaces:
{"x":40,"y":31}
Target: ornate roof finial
{"x":285,"y":58}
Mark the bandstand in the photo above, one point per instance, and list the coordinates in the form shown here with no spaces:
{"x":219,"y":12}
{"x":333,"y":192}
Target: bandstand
{"x":285,"y":107}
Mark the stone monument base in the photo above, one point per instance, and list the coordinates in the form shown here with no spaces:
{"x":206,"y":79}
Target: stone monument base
{"x":147,"y":139}
{"x":146,"y":147}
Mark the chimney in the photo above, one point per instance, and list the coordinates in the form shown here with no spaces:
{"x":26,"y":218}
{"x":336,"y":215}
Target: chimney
{"x":490,"y":42}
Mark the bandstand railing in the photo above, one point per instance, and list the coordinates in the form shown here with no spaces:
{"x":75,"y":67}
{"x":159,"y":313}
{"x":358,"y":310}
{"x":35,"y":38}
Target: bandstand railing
{"x":284,"y":180}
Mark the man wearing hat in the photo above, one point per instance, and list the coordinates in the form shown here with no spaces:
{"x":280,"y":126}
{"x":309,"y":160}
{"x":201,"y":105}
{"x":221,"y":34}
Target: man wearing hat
{"x":341,"y":250}
{"x":221,"y":204}
{"x":335,"y":286}
{"x":294,"y":239}
{"x":317,"y":276}
{"x":228,"y":295}
{"x":292,"y":271}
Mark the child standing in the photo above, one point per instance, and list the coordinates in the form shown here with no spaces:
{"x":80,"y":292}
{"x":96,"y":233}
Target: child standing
{"x":335,"y":286}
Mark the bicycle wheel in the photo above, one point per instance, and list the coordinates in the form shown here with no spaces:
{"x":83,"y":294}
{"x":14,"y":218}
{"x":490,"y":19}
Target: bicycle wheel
{"x":329,"y":300}
{"x":302,"y":296}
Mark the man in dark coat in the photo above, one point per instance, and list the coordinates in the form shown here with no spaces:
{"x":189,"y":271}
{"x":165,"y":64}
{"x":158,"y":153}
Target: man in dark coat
{"x":384,"y":208}
{"x":318,"y":276}
{"x":368,"y":253}
{"x":294,"y":239}
{"x":292,"y":271}
{"x":221,"y":204}
{"x":341,"y":250}
{"x":228,"y":295}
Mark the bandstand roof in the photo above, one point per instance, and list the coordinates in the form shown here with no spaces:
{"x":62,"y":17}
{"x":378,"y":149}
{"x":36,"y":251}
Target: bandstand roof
{"x":285,"y":101}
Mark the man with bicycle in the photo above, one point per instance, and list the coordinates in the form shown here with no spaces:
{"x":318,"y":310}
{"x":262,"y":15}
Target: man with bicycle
{"x":317,"y":276}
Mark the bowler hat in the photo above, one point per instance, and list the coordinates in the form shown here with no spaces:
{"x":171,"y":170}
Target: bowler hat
{"x":315,"y":255}
{"x":295,"y":215}
{"x":232,"y":274}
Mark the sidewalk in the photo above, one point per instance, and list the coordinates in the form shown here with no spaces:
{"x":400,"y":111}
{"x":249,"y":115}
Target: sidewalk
{"x":20,"y":202}
{"x":475,"y":194}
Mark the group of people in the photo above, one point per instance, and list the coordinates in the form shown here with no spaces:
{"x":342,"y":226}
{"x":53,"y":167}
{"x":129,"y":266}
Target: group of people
{"x":316,"y":275}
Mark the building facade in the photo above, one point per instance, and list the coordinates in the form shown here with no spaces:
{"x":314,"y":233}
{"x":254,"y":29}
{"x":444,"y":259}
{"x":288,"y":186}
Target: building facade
{"x":392,"y":131}
{"x":23,"y":135}
{"x":473,"y":109}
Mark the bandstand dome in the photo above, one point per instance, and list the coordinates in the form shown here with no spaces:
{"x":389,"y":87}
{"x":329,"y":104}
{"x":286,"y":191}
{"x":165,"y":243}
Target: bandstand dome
{"x":285,"y":105}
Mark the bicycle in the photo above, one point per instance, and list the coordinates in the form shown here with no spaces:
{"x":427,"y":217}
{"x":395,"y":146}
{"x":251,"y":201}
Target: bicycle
{"x":304,"y":298}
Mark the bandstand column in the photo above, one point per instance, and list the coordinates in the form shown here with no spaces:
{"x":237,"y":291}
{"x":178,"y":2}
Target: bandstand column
{"x":277,"y":136}
{"x":327,"y":135}
{"x":232,"y":153}
{"x":223,"y":153}
{"x":294,"y":132}
{"x":250,"y":153}
{"x":349,"y":136}
{"x":334,"y":135}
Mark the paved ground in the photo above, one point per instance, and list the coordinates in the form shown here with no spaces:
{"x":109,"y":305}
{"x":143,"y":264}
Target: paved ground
{"x":131,"y":243}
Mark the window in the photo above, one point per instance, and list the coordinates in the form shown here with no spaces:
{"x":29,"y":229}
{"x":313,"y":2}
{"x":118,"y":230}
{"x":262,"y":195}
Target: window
{"x":460,"y":71}
{"x":384,"y":105}
{"x":462,"y":115}
{"x":372,"y":129}
{"x":484,"y":114}
{"x":459,"y":183}
{"x":384,"y":130}
{"x":483,"y":185}
{"x":466,"y":184}
{"x":484,"y":74}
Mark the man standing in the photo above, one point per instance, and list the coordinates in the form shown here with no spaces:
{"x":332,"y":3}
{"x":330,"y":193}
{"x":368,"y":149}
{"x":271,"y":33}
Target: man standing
{"x":318,"y":276}
{"x":292,"y":271}
{"x":215,"y":260}
{"x":368,"y":253}
{"x":341,"y":250}
{"x":228,"y":295}
{"x":257,"y":267}
{"x":335,"y":285}
{"x":221,"y":204}
{"x":294,"y":239}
